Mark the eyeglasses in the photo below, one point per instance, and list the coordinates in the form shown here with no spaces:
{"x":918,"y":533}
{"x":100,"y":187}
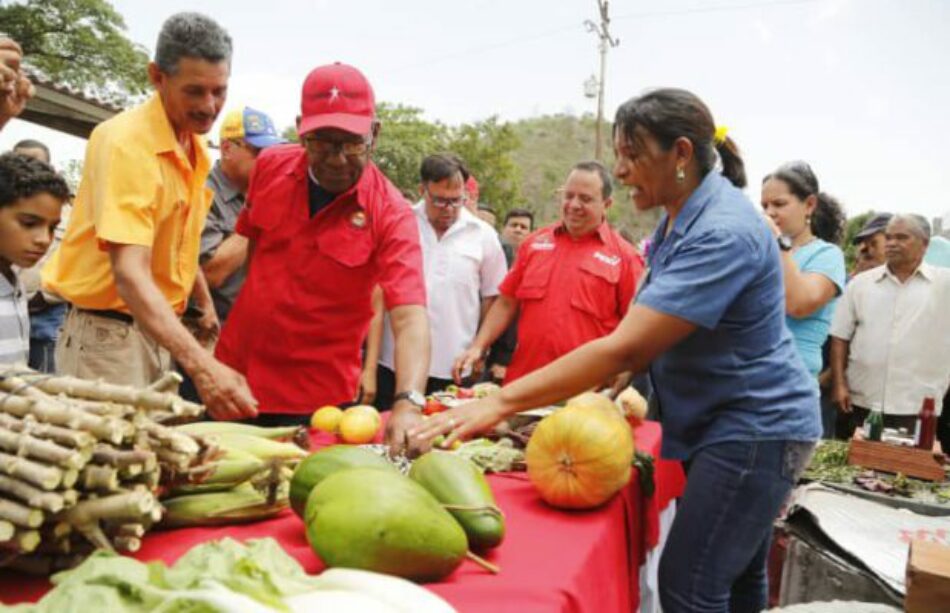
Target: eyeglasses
{"x":441,"y":203}
{"x":348,"y":148}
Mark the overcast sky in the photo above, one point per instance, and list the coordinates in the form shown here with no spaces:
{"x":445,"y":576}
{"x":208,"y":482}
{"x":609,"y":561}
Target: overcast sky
{"x":858,"y":88}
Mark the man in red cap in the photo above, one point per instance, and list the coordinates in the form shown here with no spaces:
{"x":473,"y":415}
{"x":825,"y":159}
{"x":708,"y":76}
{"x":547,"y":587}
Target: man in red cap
{"x":325,"y":227}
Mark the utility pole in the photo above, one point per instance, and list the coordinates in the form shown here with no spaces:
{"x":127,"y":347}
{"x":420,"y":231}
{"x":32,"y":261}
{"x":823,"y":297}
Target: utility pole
{"x":606,"y":42}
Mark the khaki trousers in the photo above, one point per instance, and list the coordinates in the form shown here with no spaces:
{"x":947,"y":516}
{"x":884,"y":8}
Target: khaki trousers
{"x":96,"y":347}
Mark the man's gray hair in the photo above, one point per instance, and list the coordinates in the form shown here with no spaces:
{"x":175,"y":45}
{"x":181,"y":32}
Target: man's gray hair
{"x":917,"y":223}
{"x":191,"y":35}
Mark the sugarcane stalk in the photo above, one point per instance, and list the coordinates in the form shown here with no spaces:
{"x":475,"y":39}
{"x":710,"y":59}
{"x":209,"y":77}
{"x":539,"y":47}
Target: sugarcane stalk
{"x":6,"y":530}
{"x":24,"y":444}
{"x":130,"y":544}
{"x":168,"y":382}
{"x":76,"y":439}
{"x":23,"y":541}
{"x":170,"y":438}
{"x":52,"y":531}
{"x":129,"y":506}
{"x":98,"y":390}
{"x":124,"y":529}
{"x":98,"y":477}
{"x":174,"y":459}
{"x":50,"y":411}
{"x":20,"y":515}
{"x":52,"y":502}
{"x":103,"y":409}
{"x":70,"y":476}
{"x":46,"y":477}
{"x":121,"y":458}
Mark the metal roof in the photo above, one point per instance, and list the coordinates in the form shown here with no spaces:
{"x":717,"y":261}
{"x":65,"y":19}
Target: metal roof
{"x":66,"y":108}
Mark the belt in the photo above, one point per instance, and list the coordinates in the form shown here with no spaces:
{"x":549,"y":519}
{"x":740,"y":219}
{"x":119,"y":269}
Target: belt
{"x":109,"y":314}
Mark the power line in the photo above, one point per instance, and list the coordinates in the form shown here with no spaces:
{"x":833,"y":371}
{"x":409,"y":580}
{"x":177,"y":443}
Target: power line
{"x":714,"y":9}
{"x":520,"y":40}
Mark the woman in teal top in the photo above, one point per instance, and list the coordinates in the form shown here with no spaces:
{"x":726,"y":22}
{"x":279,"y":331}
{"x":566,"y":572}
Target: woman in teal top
{"x":809,"y":224}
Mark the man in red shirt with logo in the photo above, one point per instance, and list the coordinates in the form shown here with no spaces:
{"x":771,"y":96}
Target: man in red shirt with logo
{"x":325,"y":227}
{"x":572,"y":281}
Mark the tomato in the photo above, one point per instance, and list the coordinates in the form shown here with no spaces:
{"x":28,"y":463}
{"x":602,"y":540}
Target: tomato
{"x":465,"y":393}
{"x":433,"y":406}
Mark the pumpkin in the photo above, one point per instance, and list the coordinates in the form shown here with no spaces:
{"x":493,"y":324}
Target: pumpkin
{"x":580,"y":456}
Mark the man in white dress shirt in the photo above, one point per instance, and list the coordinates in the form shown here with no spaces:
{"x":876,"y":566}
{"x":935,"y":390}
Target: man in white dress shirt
{"x":463,"y":263}
{"x":890,"y":331}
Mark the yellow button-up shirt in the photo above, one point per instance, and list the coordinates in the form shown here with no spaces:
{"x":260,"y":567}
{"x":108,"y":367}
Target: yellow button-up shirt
{"x":137,"y":188}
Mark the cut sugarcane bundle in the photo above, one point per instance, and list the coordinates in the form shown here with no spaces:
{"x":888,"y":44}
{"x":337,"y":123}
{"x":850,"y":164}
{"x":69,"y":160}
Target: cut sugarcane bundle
{"x":144,"y":398}
{"x":82,"y":465}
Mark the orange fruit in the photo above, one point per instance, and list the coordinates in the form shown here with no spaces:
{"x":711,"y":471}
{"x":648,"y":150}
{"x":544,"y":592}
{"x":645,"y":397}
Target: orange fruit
{"x":365,"y":409}
{"x":359,"y":427}
{"x":326,"y":419}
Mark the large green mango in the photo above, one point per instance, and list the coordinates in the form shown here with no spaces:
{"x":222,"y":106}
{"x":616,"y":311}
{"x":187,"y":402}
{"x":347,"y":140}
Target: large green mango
{"x":379,"y":520}
{"x":456,"y":482}
{"x":318,"y":466}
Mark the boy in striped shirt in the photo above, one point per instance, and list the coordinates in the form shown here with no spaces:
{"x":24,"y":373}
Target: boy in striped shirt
{"x":31,"y":199}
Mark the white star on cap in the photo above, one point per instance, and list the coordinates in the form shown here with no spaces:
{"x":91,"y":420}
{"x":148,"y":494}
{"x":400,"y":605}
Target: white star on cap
{"x":334,"y":93}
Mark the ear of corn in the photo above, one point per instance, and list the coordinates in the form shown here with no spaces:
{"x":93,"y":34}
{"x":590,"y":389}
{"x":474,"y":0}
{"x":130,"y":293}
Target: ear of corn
{"x":214,"y":428}
{"x":239,"y":504}
{"x":224,"y":474}
{"x":264,"y":449}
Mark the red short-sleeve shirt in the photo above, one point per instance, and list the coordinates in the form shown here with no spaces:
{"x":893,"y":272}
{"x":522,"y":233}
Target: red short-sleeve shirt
{"x":298,"y":324}
{"x":569,"y":292}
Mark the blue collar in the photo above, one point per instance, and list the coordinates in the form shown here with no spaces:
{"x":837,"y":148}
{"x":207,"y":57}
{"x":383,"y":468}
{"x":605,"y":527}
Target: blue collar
{"x":694,"y":205}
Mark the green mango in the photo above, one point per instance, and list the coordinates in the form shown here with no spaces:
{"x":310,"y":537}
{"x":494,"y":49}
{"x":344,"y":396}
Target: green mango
{"x":381,"y":521}
{"x":455,"y":481}
{"x":318,"y":466}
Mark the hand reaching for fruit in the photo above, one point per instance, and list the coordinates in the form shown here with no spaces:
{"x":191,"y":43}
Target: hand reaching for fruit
{"x":460,"y":423}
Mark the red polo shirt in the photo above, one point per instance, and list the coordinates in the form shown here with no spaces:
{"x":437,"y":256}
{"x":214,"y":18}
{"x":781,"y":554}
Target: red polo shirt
{"x":569,"y":291}
{"x":298,"y":324}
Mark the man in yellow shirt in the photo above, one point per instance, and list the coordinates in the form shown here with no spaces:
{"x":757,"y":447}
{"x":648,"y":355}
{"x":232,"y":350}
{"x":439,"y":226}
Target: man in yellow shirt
{"x":129,"y":259}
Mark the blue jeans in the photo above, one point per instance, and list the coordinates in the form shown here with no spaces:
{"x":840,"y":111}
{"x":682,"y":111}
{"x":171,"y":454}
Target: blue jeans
{"x":716,"y":553}
{"x":42,"y":355}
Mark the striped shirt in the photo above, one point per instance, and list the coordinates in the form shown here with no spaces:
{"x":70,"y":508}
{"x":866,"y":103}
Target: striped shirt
{"x":14,"y":322}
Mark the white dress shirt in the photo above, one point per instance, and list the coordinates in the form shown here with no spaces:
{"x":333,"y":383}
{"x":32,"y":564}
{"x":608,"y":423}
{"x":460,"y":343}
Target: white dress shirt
{"x":900,"y":338}
{"x":466,"y":265}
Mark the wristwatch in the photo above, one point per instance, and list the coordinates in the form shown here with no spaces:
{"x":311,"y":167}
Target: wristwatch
{"x":784,"y":243}
{"x":412,"y":396}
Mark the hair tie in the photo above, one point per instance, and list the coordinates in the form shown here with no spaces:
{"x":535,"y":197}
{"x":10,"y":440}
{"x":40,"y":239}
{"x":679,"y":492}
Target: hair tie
{"x":719,"y":137}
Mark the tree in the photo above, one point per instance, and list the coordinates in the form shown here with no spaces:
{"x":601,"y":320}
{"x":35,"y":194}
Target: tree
{"x":487,"y":148}
{"x":81,"y":43}
{"x":405,"y":139}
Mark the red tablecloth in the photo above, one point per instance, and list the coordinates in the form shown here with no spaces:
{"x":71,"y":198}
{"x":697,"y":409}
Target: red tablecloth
{"x":551,"y":560}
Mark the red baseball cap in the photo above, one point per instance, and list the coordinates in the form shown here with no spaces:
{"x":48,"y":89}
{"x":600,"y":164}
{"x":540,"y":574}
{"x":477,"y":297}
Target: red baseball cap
{"x":337,"y":96}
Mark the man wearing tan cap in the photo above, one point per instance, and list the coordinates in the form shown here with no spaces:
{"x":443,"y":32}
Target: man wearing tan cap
{"x":325,"y":228}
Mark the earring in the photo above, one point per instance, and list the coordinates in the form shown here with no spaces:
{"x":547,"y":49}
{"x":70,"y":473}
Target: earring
{"x":680,"y":175}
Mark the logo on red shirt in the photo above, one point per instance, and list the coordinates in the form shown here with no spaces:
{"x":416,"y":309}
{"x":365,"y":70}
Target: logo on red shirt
{"x":610,"y":260}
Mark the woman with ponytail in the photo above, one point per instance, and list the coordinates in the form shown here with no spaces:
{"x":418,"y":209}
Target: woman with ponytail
{"x":809,"y":225}
{"x":736,"y":404}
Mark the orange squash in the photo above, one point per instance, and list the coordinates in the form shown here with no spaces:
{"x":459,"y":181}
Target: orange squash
{"x":580,"y":456}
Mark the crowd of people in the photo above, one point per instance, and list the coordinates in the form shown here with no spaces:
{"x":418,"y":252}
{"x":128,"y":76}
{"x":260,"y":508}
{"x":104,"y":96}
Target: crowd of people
{"x":287,"y":276}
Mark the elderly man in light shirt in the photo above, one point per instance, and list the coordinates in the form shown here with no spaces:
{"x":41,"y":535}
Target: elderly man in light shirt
{"x":464,"y":264}
{"x":890,"y":346}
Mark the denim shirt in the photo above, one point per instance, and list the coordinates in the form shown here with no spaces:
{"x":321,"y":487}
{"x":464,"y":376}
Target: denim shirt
{"x":738,"y":376}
